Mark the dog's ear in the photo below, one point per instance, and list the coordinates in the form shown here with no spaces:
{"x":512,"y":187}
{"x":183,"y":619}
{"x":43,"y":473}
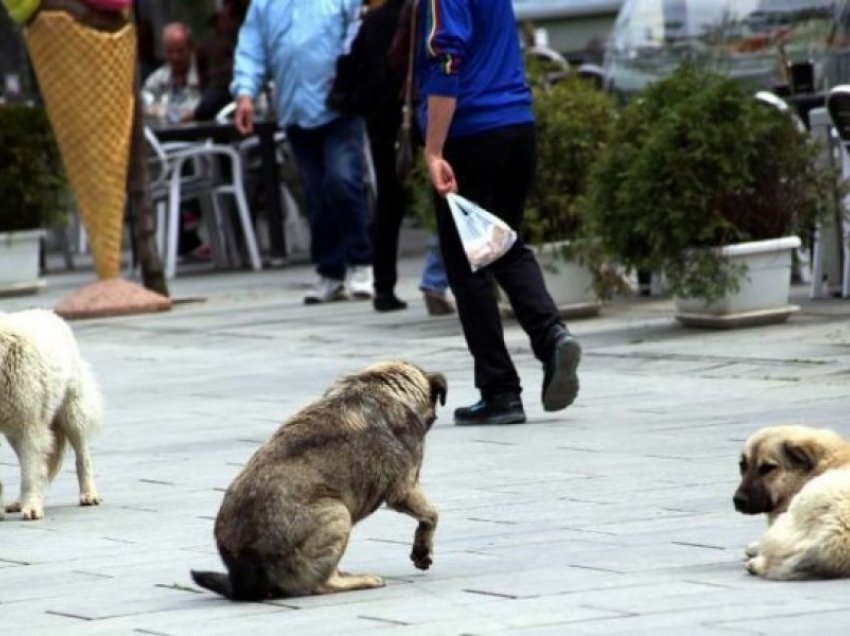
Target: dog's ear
{"x":802,"y":455}
{"x":439,"y":387}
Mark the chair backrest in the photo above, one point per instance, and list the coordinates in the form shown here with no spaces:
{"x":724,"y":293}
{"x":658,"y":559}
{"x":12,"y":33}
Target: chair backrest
{"x":771,"y":99}
{"x":159,"y":161}
{"x":838,"y":106}
{"x":226,"y":113}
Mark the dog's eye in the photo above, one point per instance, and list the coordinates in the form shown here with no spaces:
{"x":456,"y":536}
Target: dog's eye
{"x":764,"y":469}
{"x":742,"y":465}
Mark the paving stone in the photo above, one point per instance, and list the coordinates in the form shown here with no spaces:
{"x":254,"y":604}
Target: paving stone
{"x":613,"y":517}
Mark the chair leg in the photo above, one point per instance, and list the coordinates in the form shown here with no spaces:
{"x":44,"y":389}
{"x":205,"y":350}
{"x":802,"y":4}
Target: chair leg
{"x":161,"y":208}
{"x":246,"y":221}
{"x":845,"y":276}
{"x":173,"y":231}
{"x":211,"y":211}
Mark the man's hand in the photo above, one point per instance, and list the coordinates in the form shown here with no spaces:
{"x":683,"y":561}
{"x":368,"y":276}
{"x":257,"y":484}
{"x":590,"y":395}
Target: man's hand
{"x":244,"y":116}
{"x":441,"y":174}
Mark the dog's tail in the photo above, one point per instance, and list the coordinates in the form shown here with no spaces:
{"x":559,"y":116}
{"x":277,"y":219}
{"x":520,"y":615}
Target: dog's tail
{"x":217,"y":582}
{"x":245,"y":581}
{"x":54,"y":461}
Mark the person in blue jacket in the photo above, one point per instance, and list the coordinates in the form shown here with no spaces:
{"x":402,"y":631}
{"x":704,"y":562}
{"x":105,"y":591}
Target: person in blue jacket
{"x":297,"y":43}
{"x":477,"y":115}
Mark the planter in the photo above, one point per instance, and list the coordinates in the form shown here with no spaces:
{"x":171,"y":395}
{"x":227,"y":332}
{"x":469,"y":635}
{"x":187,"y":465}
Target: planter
{"x":19,"y":252}
{"x":762,"y":297}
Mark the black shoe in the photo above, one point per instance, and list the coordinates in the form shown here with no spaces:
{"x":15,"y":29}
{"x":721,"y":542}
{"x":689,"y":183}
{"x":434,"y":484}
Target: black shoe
{"x":560,"y":381}
{"x":500,"y":409}
{"x":388,"y":302}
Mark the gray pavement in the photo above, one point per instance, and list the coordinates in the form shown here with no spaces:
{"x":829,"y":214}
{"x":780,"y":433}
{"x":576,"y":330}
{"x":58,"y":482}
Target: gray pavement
{"x":613,"y":517}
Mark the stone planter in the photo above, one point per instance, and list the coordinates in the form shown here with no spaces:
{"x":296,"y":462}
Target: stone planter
{"x":19,"y":252}
{"x":763,"y":294}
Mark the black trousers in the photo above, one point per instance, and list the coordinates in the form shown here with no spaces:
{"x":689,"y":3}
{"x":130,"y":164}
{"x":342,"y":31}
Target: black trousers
{"x":495,"y":169}
{"x":390,"y":208}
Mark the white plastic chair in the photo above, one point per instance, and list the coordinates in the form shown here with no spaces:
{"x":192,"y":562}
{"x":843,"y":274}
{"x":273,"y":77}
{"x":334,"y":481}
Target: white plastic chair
{"x":370,"y":177}
{"x":838,"y":106}
{"x":206,"y":183}
{"x":296,"y":230}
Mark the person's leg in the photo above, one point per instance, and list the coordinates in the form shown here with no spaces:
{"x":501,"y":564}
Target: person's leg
{"x":434,"y":272}
{"x":345,"y":188}
{"x":477,"y":161}
{"x":308,"y":145}
{"x":389,"y":211}
{"x":434,"y":282}
{"x":518,"y":273}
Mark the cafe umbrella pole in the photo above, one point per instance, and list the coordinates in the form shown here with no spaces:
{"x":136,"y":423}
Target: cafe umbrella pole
{"x":86,"y":77}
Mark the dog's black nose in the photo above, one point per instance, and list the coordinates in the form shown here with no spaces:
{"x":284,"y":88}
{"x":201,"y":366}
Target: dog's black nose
{"x":741,"y":502}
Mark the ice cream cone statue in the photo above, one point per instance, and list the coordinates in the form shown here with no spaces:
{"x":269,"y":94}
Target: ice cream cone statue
{"x":86,"y":81}
{"x":84,"y":54}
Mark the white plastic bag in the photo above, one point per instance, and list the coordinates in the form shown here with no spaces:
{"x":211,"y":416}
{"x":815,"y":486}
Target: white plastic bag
{"x":485,"y":237}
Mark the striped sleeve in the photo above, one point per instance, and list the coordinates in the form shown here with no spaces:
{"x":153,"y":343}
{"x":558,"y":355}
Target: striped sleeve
{"x":447,"y":29}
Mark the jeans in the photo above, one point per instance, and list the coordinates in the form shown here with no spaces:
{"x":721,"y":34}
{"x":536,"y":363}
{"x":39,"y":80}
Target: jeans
{"x":333,"y":168}
{"x":495,"y":169}
{"x":434,"y":273}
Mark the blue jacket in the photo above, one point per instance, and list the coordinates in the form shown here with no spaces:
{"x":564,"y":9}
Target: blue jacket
{"x":297,"y":43}
{"x":469,"y":49}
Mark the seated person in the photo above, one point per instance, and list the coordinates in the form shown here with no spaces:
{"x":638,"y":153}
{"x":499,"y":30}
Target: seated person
{"x":173,"y":91}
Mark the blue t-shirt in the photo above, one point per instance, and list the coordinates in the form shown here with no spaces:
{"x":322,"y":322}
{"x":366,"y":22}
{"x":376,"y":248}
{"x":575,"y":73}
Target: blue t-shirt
{"x":469,"y":50}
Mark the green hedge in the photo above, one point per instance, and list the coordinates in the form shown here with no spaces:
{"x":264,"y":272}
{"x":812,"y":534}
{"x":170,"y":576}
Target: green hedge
{"x":574,"y":121}
{"x":32,"y":185}
{"x":696,"y":162}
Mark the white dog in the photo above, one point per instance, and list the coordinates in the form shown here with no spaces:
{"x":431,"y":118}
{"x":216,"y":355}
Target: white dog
{"x":47,"y":396}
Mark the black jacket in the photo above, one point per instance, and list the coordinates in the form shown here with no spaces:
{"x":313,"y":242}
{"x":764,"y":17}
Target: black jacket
{"x":366,"y":82}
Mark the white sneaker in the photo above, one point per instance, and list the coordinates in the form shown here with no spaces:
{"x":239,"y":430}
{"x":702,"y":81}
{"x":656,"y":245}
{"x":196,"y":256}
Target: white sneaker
{"x":326,"y":290}
{"x":361,"y":282}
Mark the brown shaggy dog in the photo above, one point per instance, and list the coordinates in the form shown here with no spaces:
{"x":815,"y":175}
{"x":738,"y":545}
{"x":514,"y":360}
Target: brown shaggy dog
{"x":286,"y":519}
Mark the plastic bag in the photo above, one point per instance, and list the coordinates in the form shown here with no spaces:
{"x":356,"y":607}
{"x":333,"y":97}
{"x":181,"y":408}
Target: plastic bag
{"x":485,"y":237}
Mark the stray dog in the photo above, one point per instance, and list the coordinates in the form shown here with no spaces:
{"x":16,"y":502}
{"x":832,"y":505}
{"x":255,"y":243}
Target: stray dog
{"x":285,"y":520}
{"x":800,"y":477}
{"x":47,"y":396}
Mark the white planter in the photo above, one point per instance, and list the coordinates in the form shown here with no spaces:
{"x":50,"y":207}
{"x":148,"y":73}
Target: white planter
{"x":762,"y":297}
{"x":19,"y":252}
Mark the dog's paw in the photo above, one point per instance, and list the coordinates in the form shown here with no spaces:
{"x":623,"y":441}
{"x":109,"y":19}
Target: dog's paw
{"x":752,"y":550}
{"x":421,"y":556}
{"x":32,"y":513}
{"x":373,"y":581}
{"x":90,"y":499}
{"x":15,"y":506}
{"x":756,"y":566}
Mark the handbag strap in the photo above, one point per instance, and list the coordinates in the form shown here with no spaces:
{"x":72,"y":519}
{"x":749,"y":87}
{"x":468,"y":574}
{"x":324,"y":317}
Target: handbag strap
{"x":407,"y":107}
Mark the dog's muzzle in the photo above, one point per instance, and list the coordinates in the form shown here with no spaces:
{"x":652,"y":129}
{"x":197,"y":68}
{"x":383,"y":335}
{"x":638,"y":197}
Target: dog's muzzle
{"x":748,"y":504}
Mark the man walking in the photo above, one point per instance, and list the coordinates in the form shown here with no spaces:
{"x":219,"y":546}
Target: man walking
{"x":480,"y":141}
{"x":297,"y":43}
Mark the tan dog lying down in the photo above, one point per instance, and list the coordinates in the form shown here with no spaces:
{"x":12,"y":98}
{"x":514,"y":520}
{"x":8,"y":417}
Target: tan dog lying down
{"x":285,"y":520}
{"x":47,"y":396}
{"x":800,"y":477}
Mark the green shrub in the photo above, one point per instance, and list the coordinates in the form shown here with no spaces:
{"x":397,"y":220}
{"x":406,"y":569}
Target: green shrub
{"x":32,"y":186}
{"x":574,"y":120}
{"x":694,"y":162}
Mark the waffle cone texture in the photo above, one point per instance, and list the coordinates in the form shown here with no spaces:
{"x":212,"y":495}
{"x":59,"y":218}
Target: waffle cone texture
{"x":87,"y":82}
